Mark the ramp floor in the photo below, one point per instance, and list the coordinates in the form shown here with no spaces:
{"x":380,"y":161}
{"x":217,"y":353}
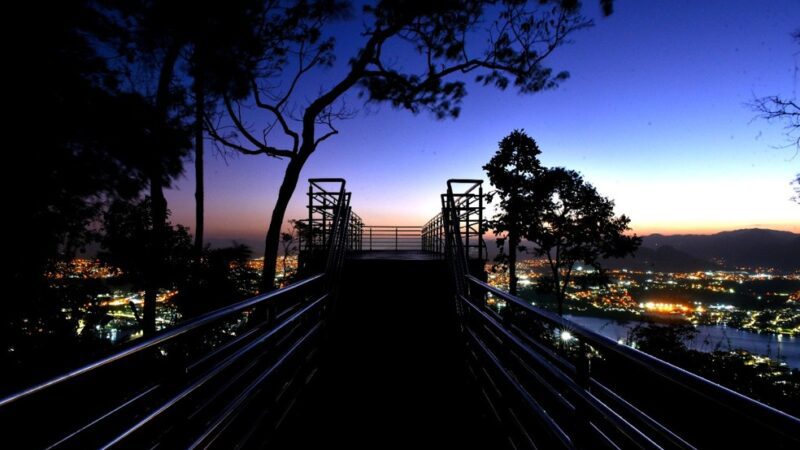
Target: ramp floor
{"x":394,"y":374}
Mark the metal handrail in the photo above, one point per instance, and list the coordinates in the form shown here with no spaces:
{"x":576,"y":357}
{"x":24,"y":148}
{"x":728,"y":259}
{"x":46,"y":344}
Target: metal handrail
{"x":323,"y":207}
{"x":214,"y":372}
{"x":525,"y":373}
{"x":463,"y":209}
{"x":392,"y":237}
{"x":773,"y":418}
{"x":164,"y":336}
{"x":246,"y":357}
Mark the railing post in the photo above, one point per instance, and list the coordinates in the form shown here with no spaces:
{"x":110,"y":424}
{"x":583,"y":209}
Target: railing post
{"x":370,"y":238}
{"x":395,"y":238}
{"x":310,"y":242}
{"x":324,"y":221}
{"x":466,"y":227}
{"x":480,"y":223}
{"x":582,"y":425}
{"x":440,"y":232}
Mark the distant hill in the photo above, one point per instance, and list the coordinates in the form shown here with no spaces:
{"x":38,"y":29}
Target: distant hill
{"x":664,"y":258}
{"x":678,"y":253}
{"x":256,"y":244}
{"x":750,"y":247}
{"x":728,"y":249}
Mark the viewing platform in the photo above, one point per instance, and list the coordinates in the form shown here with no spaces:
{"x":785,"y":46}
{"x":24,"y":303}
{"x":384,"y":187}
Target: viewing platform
{"x":391,"y":255}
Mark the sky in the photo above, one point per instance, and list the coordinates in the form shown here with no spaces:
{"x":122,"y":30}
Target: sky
{"x":654,"y":114}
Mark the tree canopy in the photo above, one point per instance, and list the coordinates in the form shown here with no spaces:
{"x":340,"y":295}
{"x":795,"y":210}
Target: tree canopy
{"x":513,"y":172}
{"x":500,"y":43}
{"x":555,"y":209}
{"x":572,"y":223}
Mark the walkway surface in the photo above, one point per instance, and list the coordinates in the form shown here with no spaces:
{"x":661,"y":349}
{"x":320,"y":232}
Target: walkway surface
{"x":394,"y":376}
{"x":390,"y":255}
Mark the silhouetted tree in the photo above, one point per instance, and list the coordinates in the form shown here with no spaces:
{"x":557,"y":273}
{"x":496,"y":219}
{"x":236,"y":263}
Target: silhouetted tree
{"x":512,"y":172}
{"x":664,"y":341}
{"x":127,"y":235}
{"x":82,"y":149}
{"x":220,"y":279}
{"x":570,"y":223}
{"x":289,"y":247}
{"x":774,"y":107}
{"x":227,"y":46}
{"x":199,"y":90}
{"x":502,"y":43}
{"x":155,"y":35}
{"x":222,"y":48}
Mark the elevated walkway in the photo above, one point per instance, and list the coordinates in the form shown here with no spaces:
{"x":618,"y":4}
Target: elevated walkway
{"x":386,"y":341}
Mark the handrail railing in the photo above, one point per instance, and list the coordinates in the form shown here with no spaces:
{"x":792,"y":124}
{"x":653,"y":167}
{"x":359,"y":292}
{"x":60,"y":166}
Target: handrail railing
{"x":600,"y":349}
{"x":225,"y":377}
{"x":464,"y":209}
{"x":392,"y":237}
{"x":315,"y":230}
{"x":553,"y":383}
{"x":163,"y":337}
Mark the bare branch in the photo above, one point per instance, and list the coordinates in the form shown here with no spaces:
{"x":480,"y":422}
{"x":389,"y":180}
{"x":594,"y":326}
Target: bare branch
{"x":326,"y":136}
{"x":275,"y":153}
{"x":228,"y":141}
{"x":236,"y":118}
{"x":279,"y":116}
{"x":320,"y":51}
{"x":776,"y":108}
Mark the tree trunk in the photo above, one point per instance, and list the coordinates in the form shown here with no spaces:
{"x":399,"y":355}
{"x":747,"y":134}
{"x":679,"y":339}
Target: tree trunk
{"x":154,"y":270}
{"x":288,"y":186}
{"x":559,"y":290}
{"x":158,"y":205}
{"x":560,"y":298}
{"x":199,"y":192}
{"x":513,"y":243}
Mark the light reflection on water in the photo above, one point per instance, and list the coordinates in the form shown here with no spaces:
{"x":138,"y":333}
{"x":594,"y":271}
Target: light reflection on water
{"x":710,"y":338}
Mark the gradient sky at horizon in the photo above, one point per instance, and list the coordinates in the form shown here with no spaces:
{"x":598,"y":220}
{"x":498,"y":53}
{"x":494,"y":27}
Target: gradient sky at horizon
{"x":654,"y":115}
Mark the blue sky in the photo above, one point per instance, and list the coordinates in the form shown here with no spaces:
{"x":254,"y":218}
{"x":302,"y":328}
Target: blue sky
{"x":654,"y":114}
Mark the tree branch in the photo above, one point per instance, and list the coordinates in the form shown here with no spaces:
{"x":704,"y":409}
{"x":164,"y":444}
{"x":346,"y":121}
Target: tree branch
{"x":278,"y":115}
{"x":261,"y":148}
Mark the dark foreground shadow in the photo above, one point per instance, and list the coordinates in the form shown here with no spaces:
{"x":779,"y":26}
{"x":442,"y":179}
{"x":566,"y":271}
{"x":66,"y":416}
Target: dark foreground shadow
{"x":394,"y":372}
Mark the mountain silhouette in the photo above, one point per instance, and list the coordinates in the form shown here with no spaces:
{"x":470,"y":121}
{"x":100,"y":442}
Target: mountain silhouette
{"x":753,"y":247}
{"x":665,"y":258}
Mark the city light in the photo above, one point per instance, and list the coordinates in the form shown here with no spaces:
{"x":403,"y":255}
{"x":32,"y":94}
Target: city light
{"x":709,"y":297}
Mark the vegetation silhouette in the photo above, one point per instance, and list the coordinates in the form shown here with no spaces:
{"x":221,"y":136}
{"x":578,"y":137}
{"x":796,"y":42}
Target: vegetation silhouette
{"x":512,"y":172}
{"x":224,"y":49}
{"x":127,"y":235}
{"x":564,"y":217}
{"x":123,"y":126}
{"x":572,"y":223}
{"x":440,"y":35}
{"x":149,"y":44}
{"x":89,"y":155}
{"x":290,"y":246}
{"x":775,"y":107}
{"x":221,"y":279}
{"x":152,"y":50}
